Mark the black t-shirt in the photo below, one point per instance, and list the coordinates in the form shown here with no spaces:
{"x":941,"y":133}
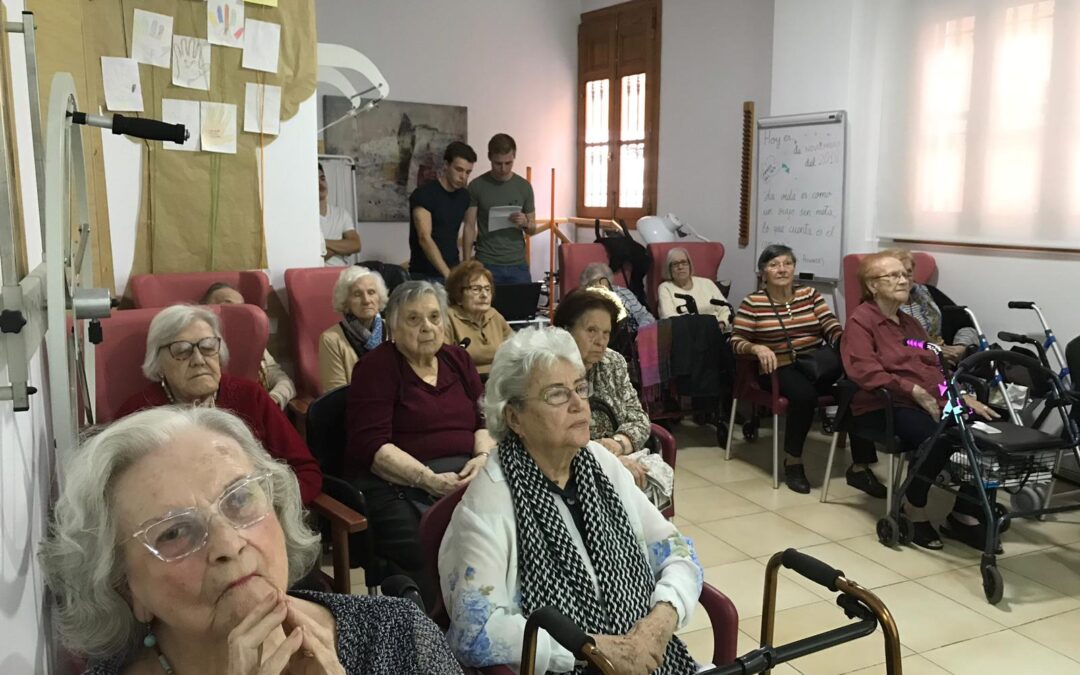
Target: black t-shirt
{"x":447,"y":211}
{"x":569,"y":495}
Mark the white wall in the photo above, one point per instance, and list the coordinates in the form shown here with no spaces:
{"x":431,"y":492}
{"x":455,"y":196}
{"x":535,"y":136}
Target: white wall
{"x":513,"y":63}
{"x":838,"y":54}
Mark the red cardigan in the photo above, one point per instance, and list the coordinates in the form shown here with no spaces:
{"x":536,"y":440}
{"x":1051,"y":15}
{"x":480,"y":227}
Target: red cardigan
{"x":389,"y":403}
{"x":251,"y":403}
{"x":874,"y":357}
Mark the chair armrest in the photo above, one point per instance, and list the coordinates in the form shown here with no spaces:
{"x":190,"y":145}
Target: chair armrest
{"x":724,"y":618}
{"x":845,"y":393}
{"x":299,"y":406}
{"x":338,"y":514}
{"x":668,"y":447}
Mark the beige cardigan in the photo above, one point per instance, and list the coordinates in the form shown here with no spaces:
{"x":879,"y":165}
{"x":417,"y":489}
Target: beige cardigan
{"x":485,"y":338}
{"x":336,"y":359}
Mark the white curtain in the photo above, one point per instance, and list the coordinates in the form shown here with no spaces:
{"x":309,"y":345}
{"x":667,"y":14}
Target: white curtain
{"x":981,"y":124}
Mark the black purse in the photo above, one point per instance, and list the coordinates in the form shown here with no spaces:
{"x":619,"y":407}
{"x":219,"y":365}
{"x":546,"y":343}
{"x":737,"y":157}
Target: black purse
{"x":821,"y":365}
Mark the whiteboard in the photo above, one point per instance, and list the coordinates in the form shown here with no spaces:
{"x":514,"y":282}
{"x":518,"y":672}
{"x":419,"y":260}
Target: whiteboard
{"x":800,"y":189}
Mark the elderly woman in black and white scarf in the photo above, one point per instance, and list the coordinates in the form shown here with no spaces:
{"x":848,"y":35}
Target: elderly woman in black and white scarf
{"x":554,"y":519}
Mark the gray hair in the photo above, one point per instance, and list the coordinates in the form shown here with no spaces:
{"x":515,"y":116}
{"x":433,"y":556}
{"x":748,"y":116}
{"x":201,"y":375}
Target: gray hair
{"x":408,"y":293}
{"x":594,"y":271}
{"x":81,"y":556}
{"x":166,"y":325}
{"x":671,"y":254}
{"x":515,"y":362}
{"x":348,"y":277}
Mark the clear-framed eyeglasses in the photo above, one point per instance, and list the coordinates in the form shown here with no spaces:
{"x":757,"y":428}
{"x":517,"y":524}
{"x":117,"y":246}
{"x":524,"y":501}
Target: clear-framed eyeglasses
{"x":479,"y":289}
{"x":780,"y":263}
{"x":181,"y":350}
{"x":680,"y":263}
{"x":559,"y":396}
{"x":181,"y":533}
{"x":895,"y":277}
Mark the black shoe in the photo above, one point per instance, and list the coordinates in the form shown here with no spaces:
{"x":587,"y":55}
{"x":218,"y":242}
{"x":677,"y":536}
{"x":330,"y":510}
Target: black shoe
{"x":865,"y":480}
{"x":795,"y":477}
{"x":972,"y":535}
{"x":923,"y":534}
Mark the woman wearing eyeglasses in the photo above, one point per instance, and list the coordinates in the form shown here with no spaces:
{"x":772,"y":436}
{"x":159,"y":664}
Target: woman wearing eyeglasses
{"x":184,"y":358}
{"x":171,"y":547}
{"x":554,"y":520}
{"x":471,"y":316}
{"x":680,"y":284}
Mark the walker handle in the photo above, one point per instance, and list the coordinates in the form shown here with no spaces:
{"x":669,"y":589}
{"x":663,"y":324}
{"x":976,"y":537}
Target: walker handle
{"x":1021,"y":304}
{"x":811,"y":568}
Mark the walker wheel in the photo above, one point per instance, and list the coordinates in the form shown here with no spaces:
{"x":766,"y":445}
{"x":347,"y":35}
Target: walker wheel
{"x":750,"y":431}
{"x":906,"y":530}
{"x":993,"y":586}
{"x":999,"y":512}
{"x":887,"y":532}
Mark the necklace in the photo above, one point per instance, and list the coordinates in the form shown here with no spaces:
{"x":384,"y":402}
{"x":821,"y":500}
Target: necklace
{"x":150,"y":641}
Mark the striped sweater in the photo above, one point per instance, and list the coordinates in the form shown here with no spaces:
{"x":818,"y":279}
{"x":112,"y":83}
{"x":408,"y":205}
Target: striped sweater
{"x":808,"y":320}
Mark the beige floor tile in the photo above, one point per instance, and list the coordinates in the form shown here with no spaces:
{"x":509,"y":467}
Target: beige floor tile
{"x":699,"y":620}
{"x":836,"y":521}
{"x":700,"y":644}
{"x":761,"y":534}
{"x":912,"y":665}
{"x":719,"y":471}
{"x":1057,"y":567}
{"x":800,"y":622}
{"x":1003,"y":652}
{"x":1023,"y":601}
{"x":760,"y":491}
{"x":927,"y":620}
{"x":1059,"y":530}
{"x":744,"y":581}
{"x":679,"y":521}
{"x":686,"y":479}
{"x":911,"y":561}
{"x":1057,"y":632}
{"x":711,"y":550}
{"x":704,"y":504}
{"x":748,"y":641}
{"x":858,"y":568}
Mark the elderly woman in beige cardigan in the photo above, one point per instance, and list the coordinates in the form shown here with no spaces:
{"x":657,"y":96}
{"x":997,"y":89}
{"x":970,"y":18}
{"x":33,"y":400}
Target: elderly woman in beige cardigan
{"x":359,"y":295}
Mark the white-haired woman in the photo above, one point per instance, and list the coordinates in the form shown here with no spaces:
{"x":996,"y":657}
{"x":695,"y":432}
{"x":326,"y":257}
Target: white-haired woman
{"x":554,"y":519}
{"x":415,"y":432}
{"x":683,"y":293}
{"x":184,"y":357}
{"x":359,"y":295}
{"x":598,"y":274}
{"x":148,"y":580}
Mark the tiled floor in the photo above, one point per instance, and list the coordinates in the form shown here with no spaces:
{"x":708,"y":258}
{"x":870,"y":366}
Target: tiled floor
{"x":946,"y":626}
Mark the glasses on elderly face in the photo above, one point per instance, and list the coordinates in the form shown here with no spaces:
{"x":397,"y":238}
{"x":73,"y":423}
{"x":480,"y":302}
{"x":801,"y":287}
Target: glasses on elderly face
{"x":559,"y":395}
{"x":680,"y":263}
{"x":479,"y":289}
{"x":779,"y":264}
{"x":181,"y":533}
{"x":895,"y":277}
{"x":181,"y":350}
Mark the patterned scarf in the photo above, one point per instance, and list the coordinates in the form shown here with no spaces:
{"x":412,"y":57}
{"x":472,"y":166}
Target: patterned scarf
{"x":551,"y":571}
{"x":363,"y":340}
{"x":923,"y":309}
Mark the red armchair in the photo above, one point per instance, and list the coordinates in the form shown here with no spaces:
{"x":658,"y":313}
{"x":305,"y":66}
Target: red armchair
{"x":574,"y":258}
{"x":311,"y":311}
{"x":925,"y":270}
{"x":162,"y":290}
{"x":705,"y":255}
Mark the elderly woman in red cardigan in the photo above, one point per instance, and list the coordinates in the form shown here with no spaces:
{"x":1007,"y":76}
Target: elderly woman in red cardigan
{"x":184,"y":356}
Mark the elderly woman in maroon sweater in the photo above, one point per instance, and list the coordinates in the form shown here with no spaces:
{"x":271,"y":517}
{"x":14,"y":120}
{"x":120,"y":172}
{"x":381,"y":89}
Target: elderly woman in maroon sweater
{"x":874,"y":358}
{"x":184,"y":357}
{"x":415,"y":432}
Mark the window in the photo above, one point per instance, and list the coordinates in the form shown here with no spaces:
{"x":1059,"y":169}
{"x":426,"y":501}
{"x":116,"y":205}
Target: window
{"x":618,"y":109}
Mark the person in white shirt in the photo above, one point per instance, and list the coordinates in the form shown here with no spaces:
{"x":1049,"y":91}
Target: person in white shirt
{"x":340,"y":238}
{"x":553,"y":519}
{"x":703,"y":293}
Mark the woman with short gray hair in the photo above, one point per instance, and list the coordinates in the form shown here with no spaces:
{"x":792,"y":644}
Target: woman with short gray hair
{"x":415,"y":432}
{"x":552,"y":518}
{"x":683,"y":293}
{"x":359,"y":296}
{"x":185,"y":353}
{"x":598,"y":274}
{"x":145,"y":583}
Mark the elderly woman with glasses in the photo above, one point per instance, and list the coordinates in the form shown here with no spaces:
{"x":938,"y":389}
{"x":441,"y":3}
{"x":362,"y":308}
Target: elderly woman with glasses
{"x":598,"y":274}
{"x":472,"y":322}
{"x":554,"y":519}
{"x":359,"y":295}
{"x":415,"y":432}
{"x":184,"y":357}
{"x":172,"y":545}
{"x":683,"y":293}
{"x":875,"y":357}
{"x":774,"y":324}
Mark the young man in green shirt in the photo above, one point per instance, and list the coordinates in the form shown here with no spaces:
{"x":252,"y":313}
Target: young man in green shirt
{"x":502,"y":252}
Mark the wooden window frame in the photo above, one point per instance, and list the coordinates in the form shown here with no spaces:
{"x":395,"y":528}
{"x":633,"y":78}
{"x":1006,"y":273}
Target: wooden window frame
{"x":596,"y":27}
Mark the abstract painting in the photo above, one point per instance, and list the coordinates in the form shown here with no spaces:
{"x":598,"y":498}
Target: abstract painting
{"x":397,"y":147}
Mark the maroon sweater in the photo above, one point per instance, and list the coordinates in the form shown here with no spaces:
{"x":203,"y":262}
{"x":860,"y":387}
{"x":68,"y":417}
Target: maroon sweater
{"x":389,"y":403}
{"x":875,"y":357}
{"x":251,"y":403}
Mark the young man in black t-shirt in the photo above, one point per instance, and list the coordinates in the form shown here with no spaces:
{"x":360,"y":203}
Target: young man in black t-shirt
{"x":437,"y":209}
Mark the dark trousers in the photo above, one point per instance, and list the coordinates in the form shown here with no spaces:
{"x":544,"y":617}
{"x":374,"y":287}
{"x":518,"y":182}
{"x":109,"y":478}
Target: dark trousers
{"x":802,"y":398}
{"x":395,"y":524}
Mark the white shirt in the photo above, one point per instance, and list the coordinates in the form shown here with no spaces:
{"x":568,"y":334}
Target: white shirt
{"x":702,"y":290}
{"x":478,"y":567}
{"x":334,"y":225}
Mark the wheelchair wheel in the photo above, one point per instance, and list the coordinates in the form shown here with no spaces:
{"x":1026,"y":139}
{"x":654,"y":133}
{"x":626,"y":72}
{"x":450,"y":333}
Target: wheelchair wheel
{"x":750,"y":431}
{"x":993,"y":586}
{"x":906,"y":530}
{"x":887,"y":532}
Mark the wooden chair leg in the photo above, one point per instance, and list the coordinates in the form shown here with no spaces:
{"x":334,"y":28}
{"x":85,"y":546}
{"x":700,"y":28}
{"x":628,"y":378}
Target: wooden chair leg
{"x":339,"y":534}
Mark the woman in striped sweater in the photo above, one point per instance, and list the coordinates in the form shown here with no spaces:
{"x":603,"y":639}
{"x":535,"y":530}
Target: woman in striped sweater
{"x":809,"y":324}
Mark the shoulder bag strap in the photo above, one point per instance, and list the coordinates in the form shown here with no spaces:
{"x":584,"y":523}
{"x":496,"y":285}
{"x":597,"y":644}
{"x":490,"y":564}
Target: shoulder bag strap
{"x":787,"y":336}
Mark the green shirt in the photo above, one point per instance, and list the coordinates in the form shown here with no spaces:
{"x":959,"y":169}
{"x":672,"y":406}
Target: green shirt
{"x":503,"y":247}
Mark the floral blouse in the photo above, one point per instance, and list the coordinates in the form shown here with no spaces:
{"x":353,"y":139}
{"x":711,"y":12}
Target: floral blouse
{"x":478,"y":567}
{"x":611,"y":384}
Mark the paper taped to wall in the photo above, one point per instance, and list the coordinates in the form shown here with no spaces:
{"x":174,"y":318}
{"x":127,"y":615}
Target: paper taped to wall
{"x":191,"y":62}
{"x":262,"y":42}
{"x":123,"y":90}
{"x":225,"y":22}
{"x":262,"y":108}
{"x":151,"y":38}
{"x":218,"y":122}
